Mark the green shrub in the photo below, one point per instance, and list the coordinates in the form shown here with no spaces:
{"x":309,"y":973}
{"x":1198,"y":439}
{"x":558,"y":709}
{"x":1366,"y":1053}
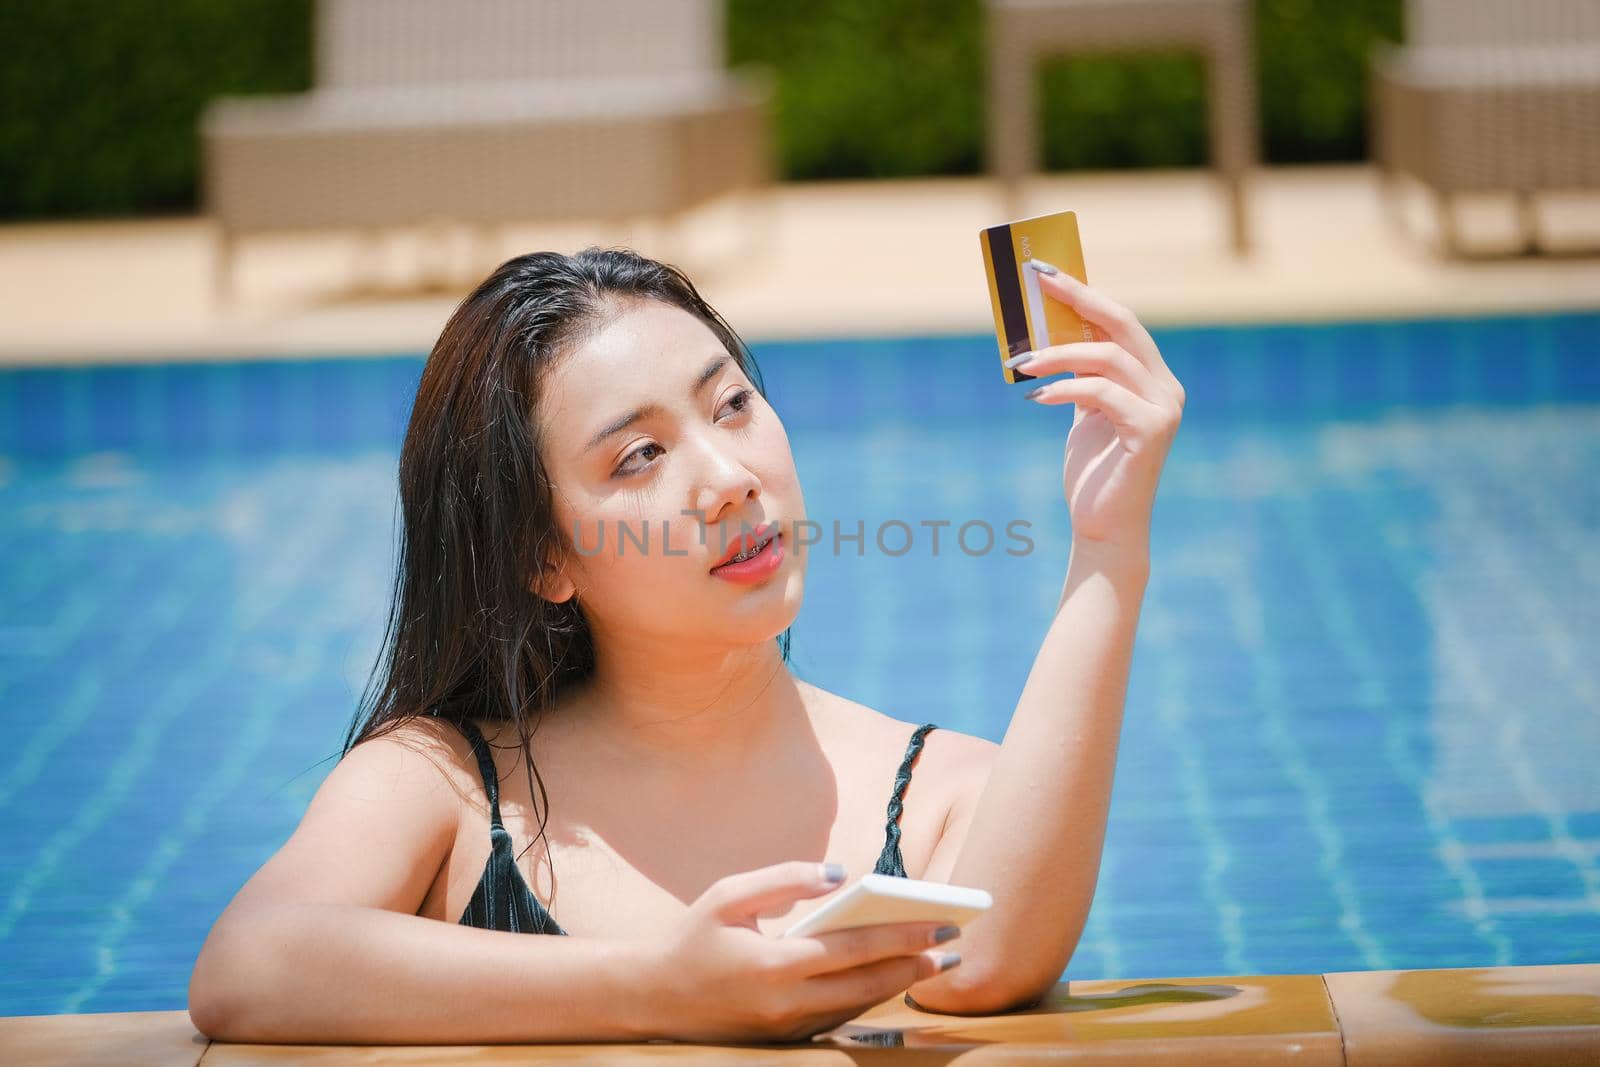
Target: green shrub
{"x":895,"y":87}
{"x":102,"y":96}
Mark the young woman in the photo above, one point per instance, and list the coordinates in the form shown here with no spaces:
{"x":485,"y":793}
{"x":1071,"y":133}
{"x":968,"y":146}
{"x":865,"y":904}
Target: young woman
{"x":589,"y":446}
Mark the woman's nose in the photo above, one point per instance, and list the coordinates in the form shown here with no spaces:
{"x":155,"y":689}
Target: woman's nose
{"x":724,"y":481}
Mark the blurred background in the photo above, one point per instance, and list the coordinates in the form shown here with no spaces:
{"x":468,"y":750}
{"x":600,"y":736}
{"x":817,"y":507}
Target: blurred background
{"x":1364,"y":711}
{"x":882,"y":90}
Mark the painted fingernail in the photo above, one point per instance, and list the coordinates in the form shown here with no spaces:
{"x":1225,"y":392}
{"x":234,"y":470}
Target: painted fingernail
{"x":1042,"y":267}
{"x":833,"y":873}
{"x":1031,"y":393}
{"x":1019,"y":360}
{"x":945,"y":933}
{"x":948,"y":960}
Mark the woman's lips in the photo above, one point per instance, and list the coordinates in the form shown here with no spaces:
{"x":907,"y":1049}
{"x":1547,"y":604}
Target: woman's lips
{"x":747,"y":541}
{"x":758,"y":567}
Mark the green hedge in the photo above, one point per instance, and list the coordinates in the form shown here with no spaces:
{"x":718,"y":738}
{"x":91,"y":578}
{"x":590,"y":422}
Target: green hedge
{"x":877,"y":88}
{"x":101,"y":96}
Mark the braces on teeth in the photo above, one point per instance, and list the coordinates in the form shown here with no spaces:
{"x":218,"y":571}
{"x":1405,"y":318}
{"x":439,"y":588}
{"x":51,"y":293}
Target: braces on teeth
{"x":741,"y":557}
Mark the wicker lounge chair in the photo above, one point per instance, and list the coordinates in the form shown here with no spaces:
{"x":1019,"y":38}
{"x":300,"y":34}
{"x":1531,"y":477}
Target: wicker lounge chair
{"x":484,"y":111}
{"x":1489,"y":95}
{"x":1023,"y":31}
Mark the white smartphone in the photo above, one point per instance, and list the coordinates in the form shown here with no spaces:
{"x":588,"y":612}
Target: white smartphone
{"x":887,"y":898}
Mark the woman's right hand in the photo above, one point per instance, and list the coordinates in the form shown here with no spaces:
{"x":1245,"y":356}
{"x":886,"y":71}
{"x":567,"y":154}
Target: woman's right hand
{"x":728,"y":981}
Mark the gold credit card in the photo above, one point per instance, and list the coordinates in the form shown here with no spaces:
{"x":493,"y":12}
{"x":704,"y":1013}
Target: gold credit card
{"x":1025,"y":319}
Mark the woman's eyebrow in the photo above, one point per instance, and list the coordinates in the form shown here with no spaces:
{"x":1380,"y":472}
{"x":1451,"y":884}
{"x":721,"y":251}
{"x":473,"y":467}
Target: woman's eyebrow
{"x":616,"y":426}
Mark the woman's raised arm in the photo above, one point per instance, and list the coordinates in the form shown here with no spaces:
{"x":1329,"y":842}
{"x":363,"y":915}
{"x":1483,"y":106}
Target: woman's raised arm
{"x":1034,"y":836}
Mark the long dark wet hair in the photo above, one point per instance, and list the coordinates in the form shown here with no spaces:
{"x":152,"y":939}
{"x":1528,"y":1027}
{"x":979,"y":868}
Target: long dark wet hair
{"x":466,"y":637}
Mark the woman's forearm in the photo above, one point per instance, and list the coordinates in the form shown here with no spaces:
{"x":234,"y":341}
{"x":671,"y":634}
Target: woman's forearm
{"x":1036,"y":836}
{"x":346,"y":974}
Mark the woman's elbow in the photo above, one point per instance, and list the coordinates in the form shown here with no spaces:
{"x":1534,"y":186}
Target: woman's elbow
{"x":984,"y":990}
{"x":204,"y":1017}
{"x":214,"y":984}
{"x":208,"y":1002}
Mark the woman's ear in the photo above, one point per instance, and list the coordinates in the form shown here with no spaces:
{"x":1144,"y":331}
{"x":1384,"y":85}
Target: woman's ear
{"x":553,"y":585}
{"x":550,"y":582}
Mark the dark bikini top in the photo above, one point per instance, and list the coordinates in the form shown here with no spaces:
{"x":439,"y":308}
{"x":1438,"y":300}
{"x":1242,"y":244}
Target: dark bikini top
{"x":503,"y":900}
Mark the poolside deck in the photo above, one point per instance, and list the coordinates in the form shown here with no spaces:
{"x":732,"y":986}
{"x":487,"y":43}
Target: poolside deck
{"x":837,"y":259}
{"x":1548,"y":1015}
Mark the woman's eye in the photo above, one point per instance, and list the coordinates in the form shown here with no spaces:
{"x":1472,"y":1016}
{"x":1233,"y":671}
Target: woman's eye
{"x":622,"y":468}
{"x":742,"y":399}
{"x":739,"y":401}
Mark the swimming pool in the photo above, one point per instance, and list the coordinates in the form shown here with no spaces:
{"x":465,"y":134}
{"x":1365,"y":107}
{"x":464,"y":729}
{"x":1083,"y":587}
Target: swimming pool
{"x":1360,"y":731}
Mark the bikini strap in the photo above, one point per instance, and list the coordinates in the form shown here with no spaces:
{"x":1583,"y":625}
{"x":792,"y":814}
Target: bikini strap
{"x":902,"y":777}
{"x":486,"y":768}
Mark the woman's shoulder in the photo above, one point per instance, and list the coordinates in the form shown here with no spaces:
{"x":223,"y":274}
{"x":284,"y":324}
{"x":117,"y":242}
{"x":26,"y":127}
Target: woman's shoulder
{"x":398,"y":793}
{"x":949,"y":756}
{"x":434,"y":751}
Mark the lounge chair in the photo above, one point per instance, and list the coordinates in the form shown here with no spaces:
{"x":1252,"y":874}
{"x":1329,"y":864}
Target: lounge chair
{"x":1021,"y":32}
{"x":489,"y":111}
{"x":1488,"y":96}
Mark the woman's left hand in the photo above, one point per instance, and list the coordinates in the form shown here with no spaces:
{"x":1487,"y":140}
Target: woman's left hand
{"x":1129,"y":405}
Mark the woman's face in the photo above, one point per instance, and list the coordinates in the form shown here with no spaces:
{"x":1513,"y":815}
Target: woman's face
{"x":662,"y":454}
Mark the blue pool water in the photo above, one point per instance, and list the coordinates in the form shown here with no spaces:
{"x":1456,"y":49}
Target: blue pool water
{"x":1361,"y":729}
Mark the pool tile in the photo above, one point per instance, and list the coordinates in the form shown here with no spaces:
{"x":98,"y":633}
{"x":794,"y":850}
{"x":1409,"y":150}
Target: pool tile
{"x":114,"y":1039}
{"x":1255,"y":1019}
{"x":1549,"y":1015}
